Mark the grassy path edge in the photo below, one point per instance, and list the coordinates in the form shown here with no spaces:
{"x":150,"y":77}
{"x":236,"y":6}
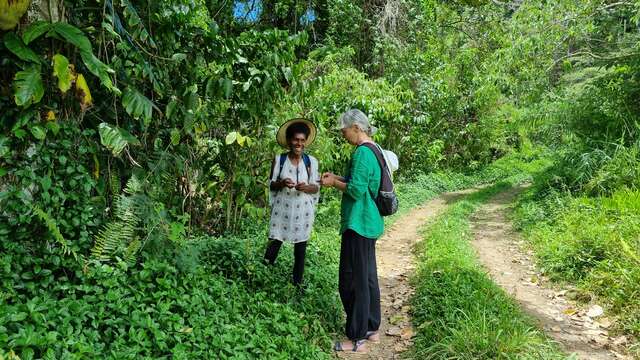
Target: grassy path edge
{"x":458,"y":312}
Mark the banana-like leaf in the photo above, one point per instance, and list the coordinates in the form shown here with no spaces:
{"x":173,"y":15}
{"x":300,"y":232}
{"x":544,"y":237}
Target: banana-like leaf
{"x":99,"y":69}
{"x":72,"y":35}
{"x":28,"y":87}
{"x":16,"y":46}
{"x":62,"y":71}
{"x":137,"y":105}
{"x":76,"y":37}
{"x":35,"y":30}
{"x":115,"y":139}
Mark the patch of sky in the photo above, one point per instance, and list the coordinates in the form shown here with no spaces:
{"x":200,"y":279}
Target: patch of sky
{"x":248,"y":10}
{"x":308,"y":17}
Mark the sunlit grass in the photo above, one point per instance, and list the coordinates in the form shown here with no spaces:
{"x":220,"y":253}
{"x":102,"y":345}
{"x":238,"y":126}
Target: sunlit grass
{"x":458,"y":311}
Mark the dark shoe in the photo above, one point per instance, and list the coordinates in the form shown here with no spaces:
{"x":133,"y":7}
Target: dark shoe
{"x":358,"y":347}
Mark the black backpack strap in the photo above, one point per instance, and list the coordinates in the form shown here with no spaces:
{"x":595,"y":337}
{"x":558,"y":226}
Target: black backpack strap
{"x":378,"y":154}
{"x":305,"y":158}
{"x":307,"y":164}
{"x":283,"y":158}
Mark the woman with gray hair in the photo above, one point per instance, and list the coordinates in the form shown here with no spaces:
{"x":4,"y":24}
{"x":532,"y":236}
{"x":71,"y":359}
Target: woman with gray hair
{"x":360,"y":226}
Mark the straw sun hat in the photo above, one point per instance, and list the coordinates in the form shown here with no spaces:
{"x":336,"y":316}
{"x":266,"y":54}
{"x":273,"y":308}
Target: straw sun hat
{"x":281,"y":135}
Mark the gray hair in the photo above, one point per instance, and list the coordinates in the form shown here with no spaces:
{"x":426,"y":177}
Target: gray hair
{"x":357,"y":117}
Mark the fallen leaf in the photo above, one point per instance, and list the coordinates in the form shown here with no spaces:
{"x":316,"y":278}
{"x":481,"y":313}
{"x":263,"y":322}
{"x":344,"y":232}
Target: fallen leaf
{"x":570,"y":311}
{"x":396,"y":319}
{"x":407,"y":333}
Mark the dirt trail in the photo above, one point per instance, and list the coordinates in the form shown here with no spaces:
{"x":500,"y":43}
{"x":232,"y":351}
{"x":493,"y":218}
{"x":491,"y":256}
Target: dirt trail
{"x":501,"y":250}
{"x":395,"y":264}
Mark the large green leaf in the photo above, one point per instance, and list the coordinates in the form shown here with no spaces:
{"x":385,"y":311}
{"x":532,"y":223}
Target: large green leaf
{"x":72,"y":35}
{"x":227,"y":87}
{"x":99,"y":69}
{"x":28,"y":87}
{"x":62,"y":71}
{"x":16,"y":46}
{"x":137,"y":105}
{"x":115,"y":139}
{"x":38,"y":132}
{"x":35,"y":30}
{"x":75,"y":36}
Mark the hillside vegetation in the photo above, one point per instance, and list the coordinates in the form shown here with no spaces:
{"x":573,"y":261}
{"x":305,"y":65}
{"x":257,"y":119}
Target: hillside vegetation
{"x":137,"y":138}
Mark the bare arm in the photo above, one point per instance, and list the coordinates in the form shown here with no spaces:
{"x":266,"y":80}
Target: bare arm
{"x":276,"y":185}
{"x":340,"y":184}
{"x":333,"y":180}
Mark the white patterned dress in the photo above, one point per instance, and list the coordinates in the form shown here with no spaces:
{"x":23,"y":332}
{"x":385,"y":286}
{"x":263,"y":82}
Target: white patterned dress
{"x":293,"y":211}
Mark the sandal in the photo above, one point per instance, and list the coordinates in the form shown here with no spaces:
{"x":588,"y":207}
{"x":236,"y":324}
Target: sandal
{"x":356,"y":346}
{"x":370,"y":334}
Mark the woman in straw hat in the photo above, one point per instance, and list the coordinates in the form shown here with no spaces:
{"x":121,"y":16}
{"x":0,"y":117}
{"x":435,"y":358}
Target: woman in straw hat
{"x":360,"y":226}
{"x":294,"y":188}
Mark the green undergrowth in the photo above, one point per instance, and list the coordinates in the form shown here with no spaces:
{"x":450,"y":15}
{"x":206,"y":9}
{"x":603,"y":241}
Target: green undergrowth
{"x":213,"y":299}
{"x":223,"y":308}
{"x":459,"y":313}
{"x":592,"y":242}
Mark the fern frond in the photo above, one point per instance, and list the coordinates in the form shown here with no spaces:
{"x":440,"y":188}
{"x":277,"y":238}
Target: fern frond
{"x":55,"y":231}
{"x":118,"y":236}
{"x":110,"y":239}
{"x":114,"y":183}
{"x":134,"y":186}
{"x":131,"y":251}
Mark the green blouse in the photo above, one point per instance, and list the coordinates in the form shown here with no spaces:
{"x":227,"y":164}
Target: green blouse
{"x":358,"y":210}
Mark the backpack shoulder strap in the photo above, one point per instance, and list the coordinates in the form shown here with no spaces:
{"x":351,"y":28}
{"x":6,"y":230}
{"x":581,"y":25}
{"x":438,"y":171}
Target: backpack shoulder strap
{"x":384,"y":170}
{"x":283,"y":158}
{"x":377,"y":153}
{"x":307,"y":164}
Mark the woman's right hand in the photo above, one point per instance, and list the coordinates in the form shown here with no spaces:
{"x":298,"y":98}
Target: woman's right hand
{"x":288,"y":183}
{"x":328,"y":179}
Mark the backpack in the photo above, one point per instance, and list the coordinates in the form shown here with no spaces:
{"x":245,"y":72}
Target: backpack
{"x":305,"y":159}
{"x":386,"y":200}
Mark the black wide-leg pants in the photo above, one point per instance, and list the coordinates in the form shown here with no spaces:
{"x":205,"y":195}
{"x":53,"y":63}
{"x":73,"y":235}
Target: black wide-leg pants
{"x":358,"y":284}
{"x":299,"y":251}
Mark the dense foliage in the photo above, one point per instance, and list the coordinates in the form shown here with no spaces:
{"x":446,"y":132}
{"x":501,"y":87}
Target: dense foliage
{"x":136,"y":135}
